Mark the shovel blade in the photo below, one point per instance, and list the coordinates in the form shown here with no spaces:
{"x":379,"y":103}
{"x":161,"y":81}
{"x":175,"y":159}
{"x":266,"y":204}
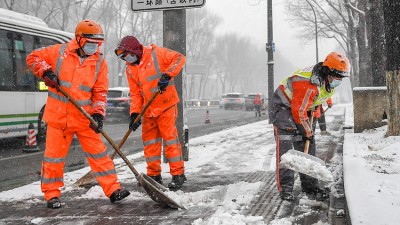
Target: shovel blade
{"x":306,"y":164}
{"x":156,"y":192}
{"x":86,"y":181}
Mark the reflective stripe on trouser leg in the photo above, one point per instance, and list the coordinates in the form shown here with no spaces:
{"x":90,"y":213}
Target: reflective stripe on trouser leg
{"x":152,"y":145}
{"x":101,"y":164}
{"x":284,"y":177}
{"x":169,"y":133}
{"x":57,"y":144}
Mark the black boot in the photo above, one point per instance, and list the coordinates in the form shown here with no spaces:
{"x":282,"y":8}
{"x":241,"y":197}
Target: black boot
{"x":177,"y":181}
{"x":319,"y":193}
{"x":157,"y":178}
{"x":118,"y":195}
{"x":54,"y":203}
{"x":285,"y":195}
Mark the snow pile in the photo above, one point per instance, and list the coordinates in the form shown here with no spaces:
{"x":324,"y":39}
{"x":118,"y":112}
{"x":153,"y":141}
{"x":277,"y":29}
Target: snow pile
{"x":371,"y":165}
{"x":231,"y":209}
{"x":302,"y":164}
{"x":305,"y":201}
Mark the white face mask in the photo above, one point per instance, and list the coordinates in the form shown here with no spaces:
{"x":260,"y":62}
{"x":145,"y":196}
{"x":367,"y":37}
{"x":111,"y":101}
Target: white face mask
{"x":131,"y":58}
{"x":335,"y":83}
{"x":90,"y":48}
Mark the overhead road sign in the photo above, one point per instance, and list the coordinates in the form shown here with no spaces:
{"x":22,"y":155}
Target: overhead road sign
{"x":150,"y":5}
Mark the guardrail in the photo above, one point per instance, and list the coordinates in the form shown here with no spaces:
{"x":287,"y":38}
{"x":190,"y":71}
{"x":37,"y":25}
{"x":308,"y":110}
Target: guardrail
{"x":199,"y":103}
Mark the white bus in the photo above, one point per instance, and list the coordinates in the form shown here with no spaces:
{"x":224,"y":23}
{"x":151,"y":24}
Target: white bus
{"x":22,"y":95}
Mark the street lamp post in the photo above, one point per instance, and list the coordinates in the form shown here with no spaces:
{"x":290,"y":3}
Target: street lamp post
{"x":316,"y":31}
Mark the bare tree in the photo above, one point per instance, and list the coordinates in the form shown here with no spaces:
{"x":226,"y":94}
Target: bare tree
{"x":376,"y":33}
{"x":391,"y":10}
{"x":201,"y":26}
{"x":343,"y":20}
{"x":10,"y":4}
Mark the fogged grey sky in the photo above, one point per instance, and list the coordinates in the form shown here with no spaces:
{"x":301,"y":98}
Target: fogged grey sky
{"x":249,"y":18}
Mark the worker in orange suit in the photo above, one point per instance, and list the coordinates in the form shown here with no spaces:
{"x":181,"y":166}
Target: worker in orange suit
{"x":151,"y":69}
{"x":78,"y":68}
{"x":257,"y":104}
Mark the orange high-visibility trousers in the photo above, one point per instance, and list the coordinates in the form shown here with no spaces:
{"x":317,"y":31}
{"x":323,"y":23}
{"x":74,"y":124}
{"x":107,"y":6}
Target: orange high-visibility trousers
{"x":154,"y":131}
{"x":57,"y":145}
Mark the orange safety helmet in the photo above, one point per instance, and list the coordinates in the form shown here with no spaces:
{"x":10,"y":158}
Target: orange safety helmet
{"x":338,"y":64}
{"x":90,"y":31}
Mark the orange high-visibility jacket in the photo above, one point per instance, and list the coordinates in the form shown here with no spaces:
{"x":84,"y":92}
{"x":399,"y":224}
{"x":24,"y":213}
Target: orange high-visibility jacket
{"x":257,"y":100}
{"x":143,"y":79}
{"x":86,"y":82}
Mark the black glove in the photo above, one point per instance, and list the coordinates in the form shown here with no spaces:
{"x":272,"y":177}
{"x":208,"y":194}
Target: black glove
{"x":133,"y":126}
{"x":50,"y":79}
{"x":311,"y":139}
{"x":163,"y":82}
{"x":98,"y":118}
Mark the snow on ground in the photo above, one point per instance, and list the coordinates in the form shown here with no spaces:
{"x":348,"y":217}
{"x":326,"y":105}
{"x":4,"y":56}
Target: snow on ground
{"x":238,"y":150}
{"x":372,"y":176}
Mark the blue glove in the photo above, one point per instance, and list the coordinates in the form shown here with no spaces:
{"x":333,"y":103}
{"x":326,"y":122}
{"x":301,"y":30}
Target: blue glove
{"x":163,"y":82}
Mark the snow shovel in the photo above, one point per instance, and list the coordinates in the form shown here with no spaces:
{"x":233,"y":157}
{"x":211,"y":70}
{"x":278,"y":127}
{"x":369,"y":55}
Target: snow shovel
{"x":307,"y":164}
{"x":89,"y":177}
{"x":153,"y":189}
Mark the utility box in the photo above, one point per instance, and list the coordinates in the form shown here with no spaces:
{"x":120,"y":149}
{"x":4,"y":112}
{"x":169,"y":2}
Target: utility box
{"x":370,"y":105}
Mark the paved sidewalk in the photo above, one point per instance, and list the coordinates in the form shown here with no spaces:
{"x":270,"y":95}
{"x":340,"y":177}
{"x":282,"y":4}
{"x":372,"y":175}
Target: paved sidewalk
{"x":229,"y":181}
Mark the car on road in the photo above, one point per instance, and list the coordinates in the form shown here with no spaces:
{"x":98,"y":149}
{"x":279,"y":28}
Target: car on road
{"x":118,"y":102}
{"x":249,"y":101}
{"x":221,"y":101}
{"x":234,"y":100}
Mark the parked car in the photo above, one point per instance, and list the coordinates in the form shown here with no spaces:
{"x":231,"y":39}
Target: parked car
{"x":118,"y":102}
{"x":221,"y":101}
{"x":234,"y":100}
{"x":249,"y":101}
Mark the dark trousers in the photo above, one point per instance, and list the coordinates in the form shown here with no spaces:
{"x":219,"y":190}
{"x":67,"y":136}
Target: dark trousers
{"x":285,"y":141}
{"x":321,"y":120}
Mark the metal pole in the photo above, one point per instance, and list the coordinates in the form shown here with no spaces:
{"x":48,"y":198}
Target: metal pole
{"x":174,"y":37}
{"x":270,"y":54}
{"x":316,"y":31}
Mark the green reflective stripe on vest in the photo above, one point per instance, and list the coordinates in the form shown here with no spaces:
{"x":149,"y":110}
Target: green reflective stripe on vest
{"x":305,"y":74}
